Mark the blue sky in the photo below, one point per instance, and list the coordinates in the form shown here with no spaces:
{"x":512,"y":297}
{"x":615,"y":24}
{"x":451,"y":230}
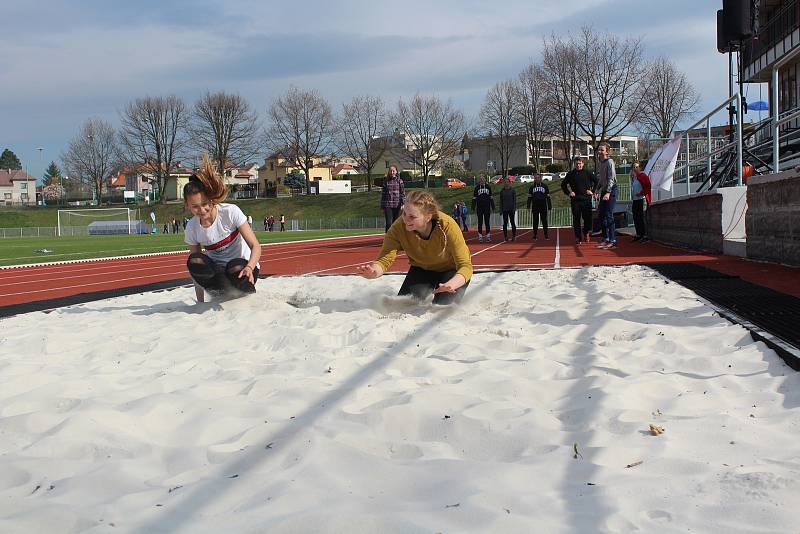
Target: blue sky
{"x":63,"y":61}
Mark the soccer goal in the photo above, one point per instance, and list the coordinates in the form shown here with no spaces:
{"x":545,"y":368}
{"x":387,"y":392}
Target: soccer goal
{"x":99,"y":221}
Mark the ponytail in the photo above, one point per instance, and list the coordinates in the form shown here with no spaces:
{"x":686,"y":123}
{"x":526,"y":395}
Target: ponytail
{"x":207,"y":181}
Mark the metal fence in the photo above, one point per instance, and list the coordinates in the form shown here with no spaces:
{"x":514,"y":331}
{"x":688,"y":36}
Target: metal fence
{"x":558,"y":217}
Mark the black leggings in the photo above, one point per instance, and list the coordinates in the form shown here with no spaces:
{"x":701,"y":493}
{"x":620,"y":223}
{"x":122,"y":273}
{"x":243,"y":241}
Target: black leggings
{"x":483,"y":218}
{"x":391,"y":215}
{"x":538,"y":212}
{"x":421,"y":283}
{"x":509,"y":215}
{"x":581,"y":209}
{"x":214,"y":278}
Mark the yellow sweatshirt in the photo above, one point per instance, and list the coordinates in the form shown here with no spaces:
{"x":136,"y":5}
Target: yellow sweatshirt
{"x":427,"y":253}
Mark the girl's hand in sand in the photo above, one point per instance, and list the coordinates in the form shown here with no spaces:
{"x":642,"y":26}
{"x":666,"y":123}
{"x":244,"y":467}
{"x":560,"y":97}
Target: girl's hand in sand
{"x":451,"y":285}
{"x":248,"y":272}
{"x":369,"y":270}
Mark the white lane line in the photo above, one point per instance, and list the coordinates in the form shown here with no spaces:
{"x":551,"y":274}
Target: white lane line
{"x":87,"y":285}
{"x":163,"y":253}
{"x":557,"y":261}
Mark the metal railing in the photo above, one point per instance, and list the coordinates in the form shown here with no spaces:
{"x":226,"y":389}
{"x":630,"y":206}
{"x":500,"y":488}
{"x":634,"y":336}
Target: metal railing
{"x":707,"y":156}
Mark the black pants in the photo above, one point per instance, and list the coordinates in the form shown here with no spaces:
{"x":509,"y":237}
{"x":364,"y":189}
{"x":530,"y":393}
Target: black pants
{"x":539,"y":212}
{"x":483,"y":219}
{"x":509,"y":215}
{"x":391,"y":215}
{"x":209,"y":276}
{"x":421,"y":283}
{"x":581,"y":209}
{"x":637,"y":206}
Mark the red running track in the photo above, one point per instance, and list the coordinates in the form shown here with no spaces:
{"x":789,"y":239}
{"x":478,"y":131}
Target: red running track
{"x":27,"y":284}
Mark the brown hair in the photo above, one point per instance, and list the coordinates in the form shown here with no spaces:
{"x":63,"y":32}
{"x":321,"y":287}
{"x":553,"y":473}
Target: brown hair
{"x":427,"y":203}
{"x":207,"y":181}
{"x":608,"y":147}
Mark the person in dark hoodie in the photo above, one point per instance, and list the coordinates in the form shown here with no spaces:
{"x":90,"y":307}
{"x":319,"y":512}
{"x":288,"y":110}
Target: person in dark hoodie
{"x":483,"y":204}
{"x":508,"y":207}
{"x":539,"y":203}
{"x":579,"y":185}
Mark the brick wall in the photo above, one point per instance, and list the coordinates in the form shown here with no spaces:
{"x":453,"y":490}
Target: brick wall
{"x":693,"y":222}
{"x":773,"y":217}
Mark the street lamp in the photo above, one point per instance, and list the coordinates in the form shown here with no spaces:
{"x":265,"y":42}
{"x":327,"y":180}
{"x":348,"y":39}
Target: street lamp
{"x":40,"y":149}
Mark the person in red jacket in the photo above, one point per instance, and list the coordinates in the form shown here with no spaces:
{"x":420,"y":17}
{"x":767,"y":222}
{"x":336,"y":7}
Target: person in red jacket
{"x":640,"y":193}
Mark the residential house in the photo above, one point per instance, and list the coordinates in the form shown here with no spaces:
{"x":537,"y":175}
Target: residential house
{"x":484,"y":156}
{"x":400,"y":151}
{"x":17,"y":187}
{"x":343,"y":169}
{"x":281,"y":163}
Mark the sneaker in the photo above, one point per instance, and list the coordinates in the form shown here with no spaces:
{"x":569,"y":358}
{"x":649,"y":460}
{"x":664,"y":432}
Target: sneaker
{"x":547,"y":238}
{"x":488,"y":238}
{"x":535,"y":238}
{"x":513,"y":238}
{"x":577,"y":241}
{"x":480,"y":238}
{"x":611,"y":246}
{"x":587,"y":238}
{"x":604,"y":244}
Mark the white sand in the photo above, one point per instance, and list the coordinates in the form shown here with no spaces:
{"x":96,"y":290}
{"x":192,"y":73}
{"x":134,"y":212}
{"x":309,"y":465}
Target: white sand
{"x":321,"y":405}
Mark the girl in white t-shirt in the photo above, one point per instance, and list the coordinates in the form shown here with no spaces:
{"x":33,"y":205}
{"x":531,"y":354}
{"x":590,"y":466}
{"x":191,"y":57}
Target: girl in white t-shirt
{"x":223,"y":249}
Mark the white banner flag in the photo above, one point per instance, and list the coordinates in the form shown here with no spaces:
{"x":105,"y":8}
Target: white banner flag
{"x":662,"y":165}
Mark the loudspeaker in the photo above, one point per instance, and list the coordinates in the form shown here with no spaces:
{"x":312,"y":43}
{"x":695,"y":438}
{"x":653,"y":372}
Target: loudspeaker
{"x":738,"y":19}
{"x":723,"y":42}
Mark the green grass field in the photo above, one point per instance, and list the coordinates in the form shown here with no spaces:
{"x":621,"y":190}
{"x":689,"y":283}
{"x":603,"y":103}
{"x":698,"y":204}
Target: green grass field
{"x":21,"y":250}
{"x":312,"y":208}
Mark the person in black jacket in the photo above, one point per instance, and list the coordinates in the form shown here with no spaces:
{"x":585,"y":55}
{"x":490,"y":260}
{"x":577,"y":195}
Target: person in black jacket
{"x":539,"y":203}
{"x":579,"y":185}
{"x":483,"y":204}
{"x":508,"y":207}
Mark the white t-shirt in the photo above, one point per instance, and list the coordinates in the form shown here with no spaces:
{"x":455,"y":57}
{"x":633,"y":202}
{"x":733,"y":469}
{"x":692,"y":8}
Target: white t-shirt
{"x":222,"y":240}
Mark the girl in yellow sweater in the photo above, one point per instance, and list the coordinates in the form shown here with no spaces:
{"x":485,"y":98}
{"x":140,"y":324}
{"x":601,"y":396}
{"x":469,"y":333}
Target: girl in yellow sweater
{"x":440,"y":260}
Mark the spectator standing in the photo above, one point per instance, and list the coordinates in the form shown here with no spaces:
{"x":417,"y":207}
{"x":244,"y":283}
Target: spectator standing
{"x":283,"y":223}
{"x":483,"y":204}
{"x":579,"y":185}
{"x":457,"y":211}
{"x":640,"y":193}
{"x":508,"y":207}
{"x":607,"y":186}
{"x":464,"y":215}
{"x":266,"y":223}
{"x":271,"y":222}
{"x":392,"y":196}
{"x":539,"y":203}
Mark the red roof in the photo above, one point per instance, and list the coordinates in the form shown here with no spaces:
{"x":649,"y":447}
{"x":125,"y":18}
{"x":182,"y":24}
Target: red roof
{"x":8,"y":176}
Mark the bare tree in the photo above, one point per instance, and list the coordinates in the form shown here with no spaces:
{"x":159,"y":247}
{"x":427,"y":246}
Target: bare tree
{"x":432,"y":128}
{"x":301,"y":125}
{"x":225,"y":126}
{"x":92,"y":155}
{"x":669,"y":98}
{"x":362,"y":134}
{"x":535,"y":111}
{"x":498,"y":119}
{"x":559,"y":64}
{"x":604,"y":81}
{"x":154,"y":135}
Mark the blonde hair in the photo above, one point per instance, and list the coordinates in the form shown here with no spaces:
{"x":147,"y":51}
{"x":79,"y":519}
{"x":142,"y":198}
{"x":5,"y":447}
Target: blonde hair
{"x":207,"y":181}
{"x":427,"y":204}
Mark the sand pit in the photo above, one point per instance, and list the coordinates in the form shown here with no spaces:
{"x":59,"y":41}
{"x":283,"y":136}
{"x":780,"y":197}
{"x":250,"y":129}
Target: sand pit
{"x":327,"y":405}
